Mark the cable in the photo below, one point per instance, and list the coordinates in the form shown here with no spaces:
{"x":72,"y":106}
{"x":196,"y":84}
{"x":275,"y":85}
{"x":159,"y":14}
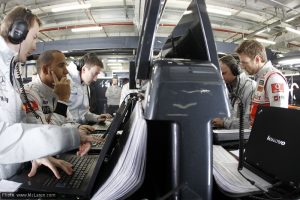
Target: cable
{"x":15,"y":65}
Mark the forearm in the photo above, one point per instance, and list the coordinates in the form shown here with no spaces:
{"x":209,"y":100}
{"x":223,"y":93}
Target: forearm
{"x":25,"y":142}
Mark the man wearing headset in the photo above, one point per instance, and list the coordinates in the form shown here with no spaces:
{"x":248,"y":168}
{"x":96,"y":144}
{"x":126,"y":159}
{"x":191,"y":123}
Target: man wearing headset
{"x":82,"y":73}
{"x":241,"y":88}
{"x":21,"y":142}
{"x":272,"y":88}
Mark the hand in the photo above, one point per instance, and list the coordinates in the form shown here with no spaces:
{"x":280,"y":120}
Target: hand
{"x":86,"y":143}
{"x":86,"y":129}
{"x":218,"y":122}
{"x":51,"y":163}
{"x":61,"y":88}
{"x":104,"y":117}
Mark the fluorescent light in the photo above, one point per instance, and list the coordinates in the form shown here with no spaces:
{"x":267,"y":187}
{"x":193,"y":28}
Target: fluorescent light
{"x":71,"y":7}
{"x":290,"y":19}
{"x":83,"y":29}
{"x":261,"y":31}
{"x":187,"y":12}
{"x":265,"y":41}
{"x":114,"y":64}
{"x":218,"y":11}
{"x":292,"y":30}
{"x":290,"y":61}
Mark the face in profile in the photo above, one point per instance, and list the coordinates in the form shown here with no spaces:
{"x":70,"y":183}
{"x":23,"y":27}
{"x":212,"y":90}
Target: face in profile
{"x":29,"y":44}
{"x":227,"y":73}
{"x":89,"y":74}
{"x":248,"y":64}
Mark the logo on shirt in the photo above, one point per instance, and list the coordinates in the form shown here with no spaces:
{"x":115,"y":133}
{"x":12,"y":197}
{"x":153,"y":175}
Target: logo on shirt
{"x":277,"y":87}
{"x":33,"y":104}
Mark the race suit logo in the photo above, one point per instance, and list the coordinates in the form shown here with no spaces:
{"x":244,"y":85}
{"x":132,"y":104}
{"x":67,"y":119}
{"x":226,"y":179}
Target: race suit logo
{"x":276,"y":141}
{"x":277,"y":87}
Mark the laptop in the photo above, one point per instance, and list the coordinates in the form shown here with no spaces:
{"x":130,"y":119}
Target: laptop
{"x":80,"y":183}
{"x":273,"y":148}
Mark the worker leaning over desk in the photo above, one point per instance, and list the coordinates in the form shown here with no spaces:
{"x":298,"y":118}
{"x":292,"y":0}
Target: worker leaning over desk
{"x":82,"y":73}
{"x":21,"y":142}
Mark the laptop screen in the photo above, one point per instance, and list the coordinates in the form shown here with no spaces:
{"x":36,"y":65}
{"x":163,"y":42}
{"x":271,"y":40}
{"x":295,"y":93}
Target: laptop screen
{"x":273,"y":148}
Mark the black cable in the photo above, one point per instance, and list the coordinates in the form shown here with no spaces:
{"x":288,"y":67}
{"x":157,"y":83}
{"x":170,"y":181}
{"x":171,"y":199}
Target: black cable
{"x":15,"y":65}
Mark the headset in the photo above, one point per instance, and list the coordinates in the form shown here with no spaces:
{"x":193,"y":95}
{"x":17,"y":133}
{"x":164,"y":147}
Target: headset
{"x":18,"y":31}
{"x":235,"y":69}
{"x":81,"y":62}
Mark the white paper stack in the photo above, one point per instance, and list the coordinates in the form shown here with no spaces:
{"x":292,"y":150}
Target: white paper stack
{"x":130,"y":168}
{"x":229,"y":179}
{"x":230,"y":134}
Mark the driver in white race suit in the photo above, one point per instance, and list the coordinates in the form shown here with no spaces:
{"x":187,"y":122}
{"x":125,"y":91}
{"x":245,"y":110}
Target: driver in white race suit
{"x":272,"y":88}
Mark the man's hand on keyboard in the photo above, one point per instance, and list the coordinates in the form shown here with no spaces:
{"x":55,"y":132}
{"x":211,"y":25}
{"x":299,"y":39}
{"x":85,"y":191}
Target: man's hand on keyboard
{"x":86,"y":143}
{"x":86,"y":129}
{"x":51,"y":163}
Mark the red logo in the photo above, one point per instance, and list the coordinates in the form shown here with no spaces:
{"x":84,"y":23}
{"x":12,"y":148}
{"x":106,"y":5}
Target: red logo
{"x":277,"y":87}
{"x":34,"y":105}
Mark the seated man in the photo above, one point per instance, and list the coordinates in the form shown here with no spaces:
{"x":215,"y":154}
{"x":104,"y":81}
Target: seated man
{"x":81,"y":74}
{"x":241,"y":88}
{"x":49,"y":103}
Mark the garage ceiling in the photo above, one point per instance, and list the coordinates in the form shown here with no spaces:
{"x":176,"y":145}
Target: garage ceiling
{"x":232,"y":20}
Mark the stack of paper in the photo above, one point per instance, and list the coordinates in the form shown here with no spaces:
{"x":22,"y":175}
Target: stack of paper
{"x":130,"y":168}
{"x":229,"y":179}
{"x":230,"y":134}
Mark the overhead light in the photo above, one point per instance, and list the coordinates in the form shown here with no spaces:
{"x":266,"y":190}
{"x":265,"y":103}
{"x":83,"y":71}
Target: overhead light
{"x":292,"y":30}
{"x":218,"y":11}
{"x":265,"y":41}
{"x":71,"y":7}
{"x":290,"y":19}
{"x":83,"y":29}
{"x":187,"y":12}
{"x":290,"y":61}
{"x":114,"y":64}
{"x":261,"y":31}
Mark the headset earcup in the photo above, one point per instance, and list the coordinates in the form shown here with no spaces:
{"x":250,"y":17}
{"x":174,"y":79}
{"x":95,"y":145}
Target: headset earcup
{"x":79,"y":64}
{"x":18,"y":32}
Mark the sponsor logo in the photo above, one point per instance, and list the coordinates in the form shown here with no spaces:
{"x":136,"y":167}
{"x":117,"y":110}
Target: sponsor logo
{"x":261,"y":83}
{"x":276,"y":141}
{"x":277,"y":87}
{"x":34,"y":106}
{"x":260,"y":88}
{"x":3,"y":98}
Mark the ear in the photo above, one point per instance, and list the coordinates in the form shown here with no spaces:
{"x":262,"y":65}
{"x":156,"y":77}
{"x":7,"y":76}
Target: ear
{"x":45,"y":69}
{"x":257,"y":58}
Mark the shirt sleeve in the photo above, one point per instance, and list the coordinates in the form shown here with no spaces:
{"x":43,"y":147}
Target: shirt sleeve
{"x":24,"y":142}
{"x":277,"y":91}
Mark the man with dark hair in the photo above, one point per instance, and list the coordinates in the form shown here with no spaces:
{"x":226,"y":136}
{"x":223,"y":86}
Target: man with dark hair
{"x":82,"y":73}
{"x":19,"y":31}
{"x":241,"y":89}
{"x":272,"y":88}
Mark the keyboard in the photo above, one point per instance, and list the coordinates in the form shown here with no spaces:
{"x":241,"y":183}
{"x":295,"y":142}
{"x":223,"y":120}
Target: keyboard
{"x":100,"y":144}
{"x":81,"y":166}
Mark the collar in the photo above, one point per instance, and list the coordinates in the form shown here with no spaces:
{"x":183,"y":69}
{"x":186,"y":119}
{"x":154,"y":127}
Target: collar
{"x":267,"y":66}
{"x":74,"y":73}
{"x":6,"y":54}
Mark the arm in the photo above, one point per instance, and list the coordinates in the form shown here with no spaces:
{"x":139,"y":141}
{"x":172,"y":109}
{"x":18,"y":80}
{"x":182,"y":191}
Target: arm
{"x":25,"y":142}
{"x":277,"y":91}
{"x":56,"y":116}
